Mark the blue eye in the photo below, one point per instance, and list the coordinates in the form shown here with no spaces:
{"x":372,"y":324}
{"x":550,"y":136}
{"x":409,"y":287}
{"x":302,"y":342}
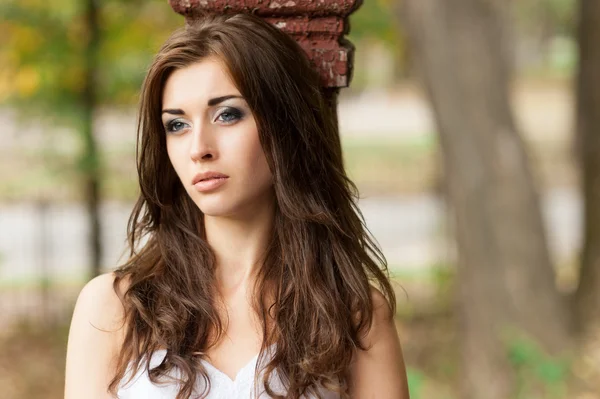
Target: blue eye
{"x":174,"y":126}
{"x":230,"y":115}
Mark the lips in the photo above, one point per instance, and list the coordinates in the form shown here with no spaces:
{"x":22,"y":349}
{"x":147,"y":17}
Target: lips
{"x":207,"y":176}
{"x":208,"y":181}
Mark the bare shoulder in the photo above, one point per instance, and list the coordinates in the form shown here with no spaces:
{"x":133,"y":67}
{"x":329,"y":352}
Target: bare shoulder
{"x":379,"y":372}
{"x":383,"y":317}
{"x":382,"y":311}
{"x":99,"y":303}
{"x":95,"y":336}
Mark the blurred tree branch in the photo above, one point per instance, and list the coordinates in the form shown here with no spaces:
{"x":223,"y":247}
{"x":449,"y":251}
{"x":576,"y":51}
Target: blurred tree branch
{"x":90,"y":157}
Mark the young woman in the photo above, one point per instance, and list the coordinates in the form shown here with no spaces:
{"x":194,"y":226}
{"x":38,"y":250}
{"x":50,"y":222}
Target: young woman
{"x":251,"y":271}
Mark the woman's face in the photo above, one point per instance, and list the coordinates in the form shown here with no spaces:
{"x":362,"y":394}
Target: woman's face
{"x":212,"y":141}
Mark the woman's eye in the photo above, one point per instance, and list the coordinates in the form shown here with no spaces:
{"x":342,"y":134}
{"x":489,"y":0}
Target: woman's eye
{"x":175,"y":126}
{"x":230,"y":115}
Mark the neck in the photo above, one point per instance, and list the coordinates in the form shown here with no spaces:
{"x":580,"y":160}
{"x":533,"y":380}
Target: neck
{"x":240,"y":247}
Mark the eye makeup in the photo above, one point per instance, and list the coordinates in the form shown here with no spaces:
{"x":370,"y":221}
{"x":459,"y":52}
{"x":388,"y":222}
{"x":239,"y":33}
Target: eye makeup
{"x":224,"y":115}
{"x":175,"y":126}
{"x":229,"y":115}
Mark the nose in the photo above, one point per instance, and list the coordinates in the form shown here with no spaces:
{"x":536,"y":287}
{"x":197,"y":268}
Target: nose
{"x":202,"y":146}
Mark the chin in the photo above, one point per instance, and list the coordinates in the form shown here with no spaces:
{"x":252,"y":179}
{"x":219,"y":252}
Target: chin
{"x":220,"y":207}
{"x":221,"y":204}
{"x":215,"y":213}
{"x":214,"y":208}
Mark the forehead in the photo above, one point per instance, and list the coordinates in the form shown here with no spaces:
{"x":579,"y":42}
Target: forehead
{"x":198,"y":82}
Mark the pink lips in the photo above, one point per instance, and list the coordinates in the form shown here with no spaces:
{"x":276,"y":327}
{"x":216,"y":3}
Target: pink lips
{"x":209,"y":181}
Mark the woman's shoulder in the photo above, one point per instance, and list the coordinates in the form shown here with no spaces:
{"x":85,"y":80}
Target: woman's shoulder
{"x":96,"y":332}
{"x":99,"y":300}
{"x":99,"y":311}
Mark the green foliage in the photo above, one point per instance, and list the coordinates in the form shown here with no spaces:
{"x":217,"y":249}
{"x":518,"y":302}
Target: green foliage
{"x":538,"y":374}
{"x":416,"y":380}
{"x":43,"y":52}
{"x":375,"y":19}
{"x":562,"y":13}
{"x":43,"y":46}
{"x":444,"y":277}
{"x":549,"y":16}
{"x":133,"y":32}
{"x":41,"y":56}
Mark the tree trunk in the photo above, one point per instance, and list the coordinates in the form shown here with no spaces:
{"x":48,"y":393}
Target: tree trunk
{"x":588,"y":128}
{"x":90,"y":159}
{"x":505,"y":279}
{"x":587,"y":296}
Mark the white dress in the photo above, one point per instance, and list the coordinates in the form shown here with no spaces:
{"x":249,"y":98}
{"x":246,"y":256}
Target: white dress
{"x":222,"y":387}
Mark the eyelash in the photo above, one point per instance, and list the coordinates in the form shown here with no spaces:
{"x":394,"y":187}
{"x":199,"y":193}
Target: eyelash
{"x":170,"y":124}
{"x":236,"y":113}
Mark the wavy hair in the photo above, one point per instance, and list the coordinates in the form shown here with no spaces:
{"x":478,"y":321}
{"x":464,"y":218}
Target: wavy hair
{"x":321,"y":261}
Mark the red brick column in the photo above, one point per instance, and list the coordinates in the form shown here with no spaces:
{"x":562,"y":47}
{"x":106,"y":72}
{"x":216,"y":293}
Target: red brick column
{"x":318,"y":26}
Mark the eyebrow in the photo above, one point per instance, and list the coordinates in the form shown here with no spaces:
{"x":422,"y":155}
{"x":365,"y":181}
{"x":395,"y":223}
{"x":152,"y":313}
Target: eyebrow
{"x":173,"y":111}
{"x":218,"y":100}
{"x":211,"y":103}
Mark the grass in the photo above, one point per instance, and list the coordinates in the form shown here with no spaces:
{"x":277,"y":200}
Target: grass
{"x":390,"y":166}
{"x":34,"y":282}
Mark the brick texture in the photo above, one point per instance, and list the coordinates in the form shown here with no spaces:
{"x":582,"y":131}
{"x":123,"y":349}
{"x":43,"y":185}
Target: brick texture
{"x":318,"y":26}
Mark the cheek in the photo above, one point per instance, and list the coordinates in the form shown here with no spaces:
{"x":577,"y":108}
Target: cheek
{"x":175,"y":157}
{"x":258,"y":161}
{"x":247,"y":152}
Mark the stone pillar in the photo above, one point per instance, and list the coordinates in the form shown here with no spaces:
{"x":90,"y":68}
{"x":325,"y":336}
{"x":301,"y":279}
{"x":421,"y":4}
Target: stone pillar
{"x":318,"y":26}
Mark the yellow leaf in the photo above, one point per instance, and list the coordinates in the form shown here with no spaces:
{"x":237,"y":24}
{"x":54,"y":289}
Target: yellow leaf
{"x":27,"y":39}
{"x":27,"y":81}
{"x":75,"y":78}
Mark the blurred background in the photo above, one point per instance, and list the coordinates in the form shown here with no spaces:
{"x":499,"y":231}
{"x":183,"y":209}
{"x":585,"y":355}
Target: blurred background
{"x":469,"y":128}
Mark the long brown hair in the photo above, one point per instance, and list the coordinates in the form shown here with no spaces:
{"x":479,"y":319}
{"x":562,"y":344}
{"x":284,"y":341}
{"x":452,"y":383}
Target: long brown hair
{"x":321,"y":261}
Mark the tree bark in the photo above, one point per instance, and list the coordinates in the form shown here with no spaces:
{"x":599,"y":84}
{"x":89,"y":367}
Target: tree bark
{"x":587,"y":296}
{"x":588,"y":129}
{"x":90,"y":158}
{"x":505,"y":281}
